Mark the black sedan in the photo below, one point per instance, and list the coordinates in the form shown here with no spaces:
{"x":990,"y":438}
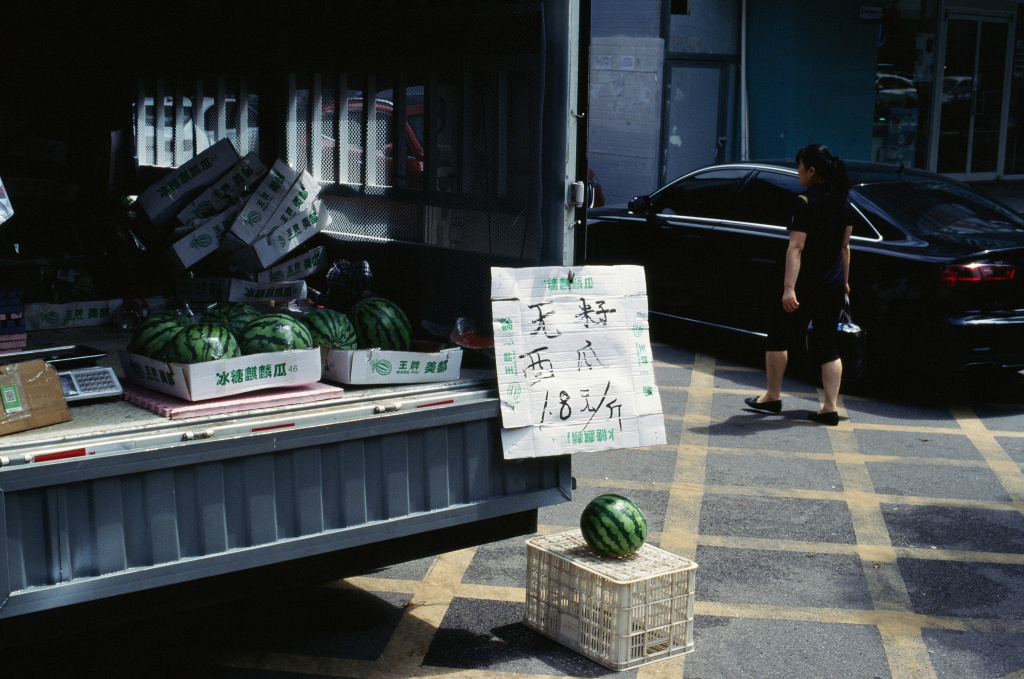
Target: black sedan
{"x":933,"y":272}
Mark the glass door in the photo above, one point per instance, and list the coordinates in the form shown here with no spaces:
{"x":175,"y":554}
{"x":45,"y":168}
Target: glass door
{"x":973,"y":84}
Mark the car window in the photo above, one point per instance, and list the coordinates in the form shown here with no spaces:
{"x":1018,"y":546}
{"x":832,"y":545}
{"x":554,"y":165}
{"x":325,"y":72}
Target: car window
{"x":869,"y":222}
{"x":701,"y":195}
{"x":862,"y":228}
{"x":768,"y":198}
{"x":945,"y":210}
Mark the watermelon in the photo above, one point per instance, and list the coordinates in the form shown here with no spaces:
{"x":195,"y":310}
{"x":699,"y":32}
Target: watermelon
{"x":234,"y":315}
{"x":275,"y":332}
{"x":613,"y":525}
{"x":381,"y":323}
{"x":153,"y":334}
{"x":202,"y":342}
{"x":331,"y":328}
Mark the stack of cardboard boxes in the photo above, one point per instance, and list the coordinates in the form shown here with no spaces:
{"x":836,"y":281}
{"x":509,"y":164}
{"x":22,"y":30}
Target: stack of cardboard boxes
{"x":247,"y":222}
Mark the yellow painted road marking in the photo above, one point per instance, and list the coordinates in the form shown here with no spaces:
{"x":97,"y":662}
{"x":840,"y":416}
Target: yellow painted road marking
{"x":404,"y":652}
{"x":1008,"y":472}
{"x":682,"y":516}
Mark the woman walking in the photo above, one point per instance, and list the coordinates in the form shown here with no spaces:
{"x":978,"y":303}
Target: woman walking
{"x":816,"y":280}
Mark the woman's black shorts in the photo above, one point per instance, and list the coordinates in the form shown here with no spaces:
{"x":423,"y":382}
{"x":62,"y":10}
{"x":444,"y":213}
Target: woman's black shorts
{"x":818,"y":307}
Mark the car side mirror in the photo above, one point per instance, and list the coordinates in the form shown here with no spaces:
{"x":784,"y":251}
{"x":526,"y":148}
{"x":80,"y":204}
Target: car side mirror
{"x":640,"y":205}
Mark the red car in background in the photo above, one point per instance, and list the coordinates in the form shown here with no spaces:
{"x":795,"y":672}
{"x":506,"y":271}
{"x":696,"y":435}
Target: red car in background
{"x":382,"y":142}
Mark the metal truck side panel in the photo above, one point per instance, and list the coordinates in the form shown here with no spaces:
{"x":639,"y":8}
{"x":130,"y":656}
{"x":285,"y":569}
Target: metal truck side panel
{"x":249,"y":502}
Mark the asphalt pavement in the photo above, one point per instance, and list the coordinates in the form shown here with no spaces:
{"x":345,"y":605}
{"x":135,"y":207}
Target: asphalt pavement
{"x":890,"y":546}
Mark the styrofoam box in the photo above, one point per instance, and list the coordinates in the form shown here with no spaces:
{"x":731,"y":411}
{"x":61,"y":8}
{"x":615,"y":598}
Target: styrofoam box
{"x":428,"y":362}
{"x":227,"y":377}
{"x":621,"y":612}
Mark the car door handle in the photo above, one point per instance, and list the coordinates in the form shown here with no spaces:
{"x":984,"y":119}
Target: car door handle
{"x":763,"y":260}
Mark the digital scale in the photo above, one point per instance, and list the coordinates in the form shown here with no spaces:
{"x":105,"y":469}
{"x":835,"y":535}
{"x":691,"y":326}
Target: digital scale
{"x":89,"y":383}
{"x":76,"y":366}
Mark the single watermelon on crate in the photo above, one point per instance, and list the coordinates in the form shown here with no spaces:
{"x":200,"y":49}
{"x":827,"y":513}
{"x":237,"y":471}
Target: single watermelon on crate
{"x":153,"y":334}
{"x":202,"y":342}
{"x":234,"y":315}
{"x":381,"y":323}
{"x":613,"y":525}
{"x":331,"y":328}
{"x":275,"y":332}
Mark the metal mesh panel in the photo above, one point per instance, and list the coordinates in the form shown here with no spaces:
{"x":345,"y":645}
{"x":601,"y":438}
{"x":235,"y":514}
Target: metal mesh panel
{"x":359,"y":217}
{"x":452,"y":162}
{"x":228,"y":110}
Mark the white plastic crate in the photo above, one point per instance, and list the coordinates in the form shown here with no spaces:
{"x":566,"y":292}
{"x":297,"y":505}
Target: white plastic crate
{"x":621,"y":612}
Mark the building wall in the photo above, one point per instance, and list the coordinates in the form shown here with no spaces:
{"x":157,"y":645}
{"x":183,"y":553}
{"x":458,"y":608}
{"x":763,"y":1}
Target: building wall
{"x":626,"y":66}
{"x":633,"y":18}
{"x":811,"y":77}
{"x":711,"y":27}
{"x":702,"y":86}
{"x":625,"y":115}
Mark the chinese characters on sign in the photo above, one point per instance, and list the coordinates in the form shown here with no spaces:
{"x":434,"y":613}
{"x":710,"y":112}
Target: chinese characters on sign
{"x":574,"y":362}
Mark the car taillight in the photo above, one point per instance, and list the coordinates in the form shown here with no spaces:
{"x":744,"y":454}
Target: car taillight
{"x":975,"y":272}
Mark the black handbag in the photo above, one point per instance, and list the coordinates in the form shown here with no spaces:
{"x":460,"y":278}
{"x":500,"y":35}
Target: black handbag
{"x":853,"y":349}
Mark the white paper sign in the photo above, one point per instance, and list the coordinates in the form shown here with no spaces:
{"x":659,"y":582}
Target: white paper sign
{"x":574,"y":361}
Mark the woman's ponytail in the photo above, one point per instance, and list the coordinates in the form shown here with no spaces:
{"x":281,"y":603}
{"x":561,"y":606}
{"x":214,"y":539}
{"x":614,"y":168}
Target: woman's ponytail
{"x":831,"y":169}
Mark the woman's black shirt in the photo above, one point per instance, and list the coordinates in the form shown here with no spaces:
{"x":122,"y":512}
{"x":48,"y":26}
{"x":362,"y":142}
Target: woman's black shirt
{"x":824,"y":218}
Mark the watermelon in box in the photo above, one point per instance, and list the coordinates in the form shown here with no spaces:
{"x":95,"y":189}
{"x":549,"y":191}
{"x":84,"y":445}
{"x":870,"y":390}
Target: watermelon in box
{"x":154,"y":333}
{"x":275,"y":332}
{"x":380,"y":323}
{"x":331,"y":329}
{"x":202,"y":342}
{"x":232,"y":315}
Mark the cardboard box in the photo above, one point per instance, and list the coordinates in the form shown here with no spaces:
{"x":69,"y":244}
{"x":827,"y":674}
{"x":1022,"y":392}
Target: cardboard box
{"x":31,"y":396}
{"x":262,"y":204}
{"x":225,"y":190}
{"x":239,"y":290}
{"x":203,"y":241}
{"x":296,"y":268}
{"x":44,"y":316}
{"x":164,"y":199}
{"x":299,"y":198}
{"x":214,"y":379}
{"x":427,"y":362}
{"x":268,"y":251}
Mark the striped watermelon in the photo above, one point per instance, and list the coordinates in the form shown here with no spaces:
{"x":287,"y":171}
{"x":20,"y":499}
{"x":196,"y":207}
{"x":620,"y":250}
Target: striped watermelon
{"x":234,"y":315}
{"x":275,"y":332}
{"x":331,"y":328}
{"x":153,"y":334}
{"x":202,"y":342}
{"x":613,"y":525}
{"x":381,"y":323}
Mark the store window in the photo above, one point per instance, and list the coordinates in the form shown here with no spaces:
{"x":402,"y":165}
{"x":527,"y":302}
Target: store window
{"x":904,"y":83}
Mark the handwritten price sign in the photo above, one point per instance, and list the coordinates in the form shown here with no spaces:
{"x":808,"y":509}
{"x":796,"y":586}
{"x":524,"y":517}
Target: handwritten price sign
{"x":574,"y":362}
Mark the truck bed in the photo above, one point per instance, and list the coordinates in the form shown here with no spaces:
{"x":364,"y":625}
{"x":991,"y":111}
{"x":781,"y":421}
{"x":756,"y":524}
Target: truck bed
{"x":121,"y":499}
{"x":114,"y":425}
